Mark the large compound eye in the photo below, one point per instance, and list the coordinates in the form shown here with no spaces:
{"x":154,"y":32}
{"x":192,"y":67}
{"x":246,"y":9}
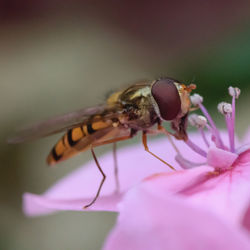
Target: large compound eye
{"x":167,"y":98}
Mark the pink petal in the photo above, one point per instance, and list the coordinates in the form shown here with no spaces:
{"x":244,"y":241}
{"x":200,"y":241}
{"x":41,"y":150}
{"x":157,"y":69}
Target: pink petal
{"x":175,"y":182}
{"x":34,"y":205}
{"x":134,"y":165}
{"x":244,"y":160}
{"x":81,"y":185}
{"x":153,"y":221}
{"x":246,"y":219}
{"x":220,"y":159}
{"x":226,"y":194}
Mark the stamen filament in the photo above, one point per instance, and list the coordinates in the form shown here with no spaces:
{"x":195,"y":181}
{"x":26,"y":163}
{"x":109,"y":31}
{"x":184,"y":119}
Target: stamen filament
{"x":229,"y":123}
{"x":196,"y":148}
{"x":186,"y":164}
{"x":232,"y":143}
{"x":215,"y":132}
{"x":235,"y":93}
{"x":204,"y":137}
{"x":210,"y":129}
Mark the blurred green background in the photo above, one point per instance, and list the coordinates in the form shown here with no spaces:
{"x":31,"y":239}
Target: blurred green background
{"x":57,"y":56}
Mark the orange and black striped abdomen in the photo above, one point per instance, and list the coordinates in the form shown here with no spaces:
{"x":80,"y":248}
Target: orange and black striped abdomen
{"x":74,"y":141}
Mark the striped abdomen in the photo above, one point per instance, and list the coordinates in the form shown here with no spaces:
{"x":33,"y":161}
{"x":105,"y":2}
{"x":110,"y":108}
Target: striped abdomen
{"x":76,"y":140}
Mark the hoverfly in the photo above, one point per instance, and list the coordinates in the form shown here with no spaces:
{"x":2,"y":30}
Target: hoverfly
{"x":136,"y":108}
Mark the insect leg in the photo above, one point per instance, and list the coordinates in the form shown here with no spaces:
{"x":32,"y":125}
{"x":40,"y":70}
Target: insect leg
{"x":117,"y":183}
{"x":102,"y":181}
{"x":164,"y":131}
{"x":114,"y":140}
{"x":144,"y":141}
{"x":168,"y":134}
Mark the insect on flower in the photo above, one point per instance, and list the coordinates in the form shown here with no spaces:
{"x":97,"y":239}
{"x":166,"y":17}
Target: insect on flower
{"x":136,"y":108}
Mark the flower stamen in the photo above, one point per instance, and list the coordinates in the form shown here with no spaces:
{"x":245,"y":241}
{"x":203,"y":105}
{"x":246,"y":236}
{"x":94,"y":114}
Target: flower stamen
{"x":186,"y":164}
{"x":226,"y":109}
{"x":203,"y":135}
{"x":197,"y":101}
{"x":199,"y":122}
{"x":235,"y":93}
{"x":219,"y":156}
{"x":196,"y":148}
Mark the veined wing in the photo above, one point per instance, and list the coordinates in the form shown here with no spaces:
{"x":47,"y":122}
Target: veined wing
{"x":64,"y":122}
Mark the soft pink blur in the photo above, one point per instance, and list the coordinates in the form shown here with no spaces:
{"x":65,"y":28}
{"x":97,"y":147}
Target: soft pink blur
{"x":152,"y":220}
{"x":214,"y":197}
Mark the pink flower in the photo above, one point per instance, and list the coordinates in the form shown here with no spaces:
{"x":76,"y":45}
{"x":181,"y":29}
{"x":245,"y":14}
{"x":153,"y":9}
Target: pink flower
{"x":152,"y":220}
{"x":205,"y":204}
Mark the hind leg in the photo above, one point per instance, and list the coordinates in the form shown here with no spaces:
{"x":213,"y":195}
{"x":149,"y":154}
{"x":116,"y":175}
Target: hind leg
{"x":102,"y":181}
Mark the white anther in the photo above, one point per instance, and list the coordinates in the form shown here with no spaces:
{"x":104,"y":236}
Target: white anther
{"x":224,"y":108}
{"x":234,"y":92}
{"x":191,"y":119}
{"x":197,"y":121}
{"x":202,"y":121}
{"x":196,"y":99}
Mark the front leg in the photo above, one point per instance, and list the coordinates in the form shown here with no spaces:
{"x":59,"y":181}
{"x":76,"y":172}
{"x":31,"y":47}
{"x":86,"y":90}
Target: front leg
{"x":161,"y":130}
{"x":145,"y":144}
{"x":179,"y":125}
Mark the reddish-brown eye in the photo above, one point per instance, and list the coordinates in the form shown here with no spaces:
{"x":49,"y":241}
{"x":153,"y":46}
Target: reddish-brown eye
{"x":167,"y":98}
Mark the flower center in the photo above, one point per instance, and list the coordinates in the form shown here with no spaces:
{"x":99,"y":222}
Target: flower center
{"x":217,"y":153}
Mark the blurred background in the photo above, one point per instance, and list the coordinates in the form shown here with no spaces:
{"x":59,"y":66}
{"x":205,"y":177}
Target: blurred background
{"x":58,"y":56}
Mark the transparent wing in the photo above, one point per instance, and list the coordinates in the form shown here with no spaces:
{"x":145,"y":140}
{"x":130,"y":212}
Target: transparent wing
{"x":64,"y":122}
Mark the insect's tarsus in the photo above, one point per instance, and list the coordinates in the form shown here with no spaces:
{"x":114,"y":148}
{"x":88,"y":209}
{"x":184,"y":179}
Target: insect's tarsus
{"x":102,"y":181}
